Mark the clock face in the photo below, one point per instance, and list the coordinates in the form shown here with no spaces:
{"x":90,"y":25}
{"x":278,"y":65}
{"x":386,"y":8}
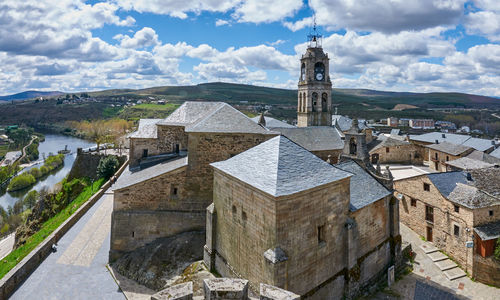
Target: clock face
{"x":319,"y":76}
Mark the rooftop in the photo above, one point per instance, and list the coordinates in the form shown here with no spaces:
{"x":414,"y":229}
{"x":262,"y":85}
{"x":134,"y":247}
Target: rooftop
{"x":272,"y":122}
{"x":146,"y":129}
{"x":457,"y":139}
{"x":314,"y":138}
{"x":488,"y":231}
{"x":344,"y":123}
{"x":496,"y":153}
{"x":280,"y":167}
{"x":226,"y":119}
{"x":190,"y":112}
{"x":466,"y":163}
{"x":365,"y":189}
{"x":481,"y":156}
{"x":449,"y":148}
{"x":390,"y":142}
{"x":129,"y":178}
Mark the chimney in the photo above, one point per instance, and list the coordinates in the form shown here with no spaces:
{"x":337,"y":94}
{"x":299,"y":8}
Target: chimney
{"x":443,"y":135}
{"x":262,"y":120}
{"x":469,"y":176}
{"x":437,"y":141}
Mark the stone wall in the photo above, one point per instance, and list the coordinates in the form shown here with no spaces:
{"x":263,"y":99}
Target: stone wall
{"x":402,"y":154}
{"x":334,"y":155}
{"x":482,"y":215}
{"x":439,"y":163}
{"x":137,"y":147}
{"x":486,"y":270}
{"x":170,"y":136}
{"x":85,"y":164}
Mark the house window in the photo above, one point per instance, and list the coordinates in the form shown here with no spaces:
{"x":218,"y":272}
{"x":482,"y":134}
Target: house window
{"x":386,"y":149}
{"x":429,"y":213}
{"x":321,"y":234}
{"x":436,"y":155}
{"x":244,"y":215}
{"x":174,"y":191}
{"x":413,"y":202}
{"x":456,"y":208}
{"x":234,"y":209}
{"x":144,"y":152}
{"x":447,"y":158}
{"x":456,"y":230}
{"x":491,"y":213}
{"x":427,"y":187}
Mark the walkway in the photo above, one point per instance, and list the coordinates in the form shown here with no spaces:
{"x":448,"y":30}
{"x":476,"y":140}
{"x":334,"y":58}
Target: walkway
{"x":428,"y":282}
{"x":78,"y":269}
{"x":7,"y":244}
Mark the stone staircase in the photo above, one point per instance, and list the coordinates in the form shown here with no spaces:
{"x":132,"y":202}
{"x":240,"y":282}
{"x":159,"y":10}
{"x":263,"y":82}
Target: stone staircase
{"x":449,"y":268}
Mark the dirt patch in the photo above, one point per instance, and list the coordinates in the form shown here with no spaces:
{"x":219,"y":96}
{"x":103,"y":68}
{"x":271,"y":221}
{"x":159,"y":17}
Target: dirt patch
{"x":404,"y":106}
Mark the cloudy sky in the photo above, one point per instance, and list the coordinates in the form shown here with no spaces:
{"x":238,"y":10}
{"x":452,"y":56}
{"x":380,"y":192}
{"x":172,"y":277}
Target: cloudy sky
{"x":399,"y":45}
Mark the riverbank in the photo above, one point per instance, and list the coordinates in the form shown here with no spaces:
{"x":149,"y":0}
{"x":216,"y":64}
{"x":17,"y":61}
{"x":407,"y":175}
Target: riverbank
{"x":32,"y":176}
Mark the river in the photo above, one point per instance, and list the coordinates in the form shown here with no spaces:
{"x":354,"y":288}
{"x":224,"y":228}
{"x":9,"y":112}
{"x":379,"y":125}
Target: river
{"x":52,"y":144}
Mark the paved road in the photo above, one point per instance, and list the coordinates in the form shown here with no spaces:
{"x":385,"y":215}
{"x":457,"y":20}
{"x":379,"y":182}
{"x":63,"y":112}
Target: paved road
{"x":78,"y":269}
{"x":7,"y":244}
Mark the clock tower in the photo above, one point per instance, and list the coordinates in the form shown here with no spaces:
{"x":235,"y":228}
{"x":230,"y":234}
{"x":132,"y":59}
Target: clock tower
{"x":314,"y":96}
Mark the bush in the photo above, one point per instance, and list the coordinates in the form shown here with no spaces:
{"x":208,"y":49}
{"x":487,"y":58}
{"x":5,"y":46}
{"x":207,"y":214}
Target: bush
{"x":30,"y":200}
{"x":36,"y":173}
{"x":107,"y":167}
{"x":497,"y":250}
{"x":21,"y":181}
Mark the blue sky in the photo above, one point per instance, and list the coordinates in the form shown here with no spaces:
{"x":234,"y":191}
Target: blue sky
{"x":399,"y":45}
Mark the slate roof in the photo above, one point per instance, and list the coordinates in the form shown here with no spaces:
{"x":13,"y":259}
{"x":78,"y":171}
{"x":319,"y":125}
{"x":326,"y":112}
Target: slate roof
{"x":146,"y":130}
{"x":190,"y":112}
{"x":227,"y":119}
{"x":365,"y":189}
{"x":466,"y":163}
{"x":458,"y":139}
{"x":129,"y":178}
{"x":496,"y":153}
{"x":488,"y":231}
{"x":482,"y":191}
{"x":345,"y":123}
{"x":390,"y":142}
{"x":280,"y":167}
{"x":395,"y":131}
{"x":272,"y":122}
{"x":481,"y":156}
{"x":314,"y":138}
{"x":449,"y":148}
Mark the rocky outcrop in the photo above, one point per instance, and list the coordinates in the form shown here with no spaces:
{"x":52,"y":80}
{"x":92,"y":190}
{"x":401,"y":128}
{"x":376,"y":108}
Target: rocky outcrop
{"x":164,"y":261}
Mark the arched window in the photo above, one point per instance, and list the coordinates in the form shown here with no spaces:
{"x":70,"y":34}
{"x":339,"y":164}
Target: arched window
{"x":300,"y":103}
{"x":352,"y":146}
{"x":304,"y":102}
{"x":324,"y":102}
{"x":314,"y":100}
{"x":303,"y":72}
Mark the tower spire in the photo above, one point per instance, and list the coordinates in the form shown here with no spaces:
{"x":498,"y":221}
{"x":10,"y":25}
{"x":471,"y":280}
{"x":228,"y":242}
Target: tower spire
{"x":314,"y":37}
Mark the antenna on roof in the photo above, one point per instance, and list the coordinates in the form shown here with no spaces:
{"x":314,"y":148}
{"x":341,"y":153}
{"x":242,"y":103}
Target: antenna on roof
{"x":314,"y":37}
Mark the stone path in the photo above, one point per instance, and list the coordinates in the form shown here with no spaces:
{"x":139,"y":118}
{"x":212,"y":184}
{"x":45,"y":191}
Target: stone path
{"x":429,"y":282}
{"x":78,"y":269}
{"x":449,"y":268}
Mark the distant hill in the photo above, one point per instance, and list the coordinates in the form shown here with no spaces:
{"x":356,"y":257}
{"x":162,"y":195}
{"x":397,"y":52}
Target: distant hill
{"x":241,"y":93}
{"x":29,"y":94}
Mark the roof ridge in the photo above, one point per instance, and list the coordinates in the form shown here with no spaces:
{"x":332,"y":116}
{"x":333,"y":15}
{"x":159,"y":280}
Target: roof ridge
{"x":196,"y":123}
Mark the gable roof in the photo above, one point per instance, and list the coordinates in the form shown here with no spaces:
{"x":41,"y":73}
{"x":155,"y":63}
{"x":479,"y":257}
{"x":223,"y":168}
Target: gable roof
{"x":447,"y":181}
{"x":488,"y":231}
{"x":190,"y":112}
{"x":314,"y":138}
{"x":457,"y":139}
{"x":365,"y":189}
{"x":496,"y":153}
{"x":449,"y":148}
{"x":280,"y":167}
{"x":226,"y":119}
{"x":481,"y":156}
{"x":344,"y":123}
{"x":146,"y":130}
{"x":272,"y":122}
{"x":466,"y":163}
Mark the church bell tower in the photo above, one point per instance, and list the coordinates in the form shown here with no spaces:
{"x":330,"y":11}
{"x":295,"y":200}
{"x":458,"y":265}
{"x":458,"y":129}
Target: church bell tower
{"x":314,"y":96}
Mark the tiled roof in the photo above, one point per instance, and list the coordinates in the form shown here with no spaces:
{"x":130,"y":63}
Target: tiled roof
{"x":280,"y":167}
{"x":390,"y":142}
{"x":364,"y":188}
{"x":488,"y":231}
{"x":226,"y":119}
{"x":457,"y":139}
{"x":314,"y":138}
{"x":481,"y":156}
{"x":449,"y":148}
{"x":146,"y":130}
{"x":466,"y":163}
{"x":345,"y":123}
{"x":482,"y":191}
{"x":129,"y":178}
{"x":272,"y":122}
{"x":190,"y":112}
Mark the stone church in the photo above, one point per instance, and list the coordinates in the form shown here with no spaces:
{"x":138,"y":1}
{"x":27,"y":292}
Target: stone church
{"x":273,"y":211}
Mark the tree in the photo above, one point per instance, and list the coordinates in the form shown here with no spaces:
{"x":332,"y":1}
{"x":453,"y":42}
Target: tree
{"x":107,"y":167}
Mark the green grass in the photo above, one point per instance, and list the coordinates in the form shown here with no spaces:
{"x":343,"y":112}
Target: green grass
{"x":3,"y":150}
{"x":153,"y":111}
{"x":11,"y":260}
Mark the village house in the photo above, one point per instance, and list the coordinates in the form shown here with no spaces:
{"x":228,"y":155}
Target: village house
{"x":459,"y":212}
{"x":390,"y":150}
{"x":441,"y":153}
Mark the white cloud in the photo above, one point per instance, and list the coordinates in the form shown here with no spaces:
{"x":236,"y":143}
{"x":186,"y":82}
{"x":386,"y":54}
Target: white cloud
{"x":298,"y":25}
{"x":266,"y":11}
{"x":143,"y":38}
{"x":220,"y":22}
{"x":387,"y":15}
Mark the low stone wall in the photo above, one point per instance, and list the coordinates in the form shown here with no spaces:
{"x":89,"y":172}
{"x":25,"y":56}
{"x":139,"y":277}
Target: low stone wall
{"x":12,"y":280}
{"x":487,"y":270}
{"x":223,"y":288}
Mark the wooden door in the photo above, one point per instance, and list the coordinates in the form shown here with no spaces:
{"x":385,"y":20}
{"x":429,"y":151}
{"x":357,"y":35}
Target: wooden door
{"x":429,"y":234}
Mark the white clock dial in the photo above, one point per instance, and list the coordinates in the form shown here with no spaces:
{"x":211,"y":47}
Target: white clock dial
{"x":319,"y":76}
